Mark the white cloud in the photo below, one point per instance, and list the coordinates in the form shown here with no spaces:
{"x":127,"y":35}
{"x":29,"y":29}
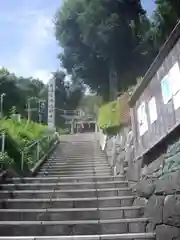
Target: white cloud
{"x":42,"y":75}
{"x":68,"y":78}
{"x":37,"y":35}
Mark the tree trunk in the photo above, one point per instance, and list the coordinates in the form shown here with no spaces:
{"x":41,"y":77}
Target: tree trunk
{"x":113,"y":80}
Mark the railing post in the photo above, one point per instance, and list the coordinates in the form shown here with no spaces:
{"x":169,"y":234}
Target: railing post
{"x":22,"y":160}
{"x":38,"y":150}
{"x":3,"y":142}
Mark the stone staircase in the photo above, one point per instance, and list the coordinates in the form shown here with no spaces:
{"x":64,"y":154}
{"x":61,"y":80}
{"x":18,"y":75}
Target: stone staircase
{"x":74,"y":196}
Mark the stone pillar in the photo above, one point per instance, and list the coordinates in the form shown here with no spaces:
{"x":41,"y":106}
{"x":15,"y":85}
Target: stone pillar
{"x":114,"y":155}
{"x":72,"y":127}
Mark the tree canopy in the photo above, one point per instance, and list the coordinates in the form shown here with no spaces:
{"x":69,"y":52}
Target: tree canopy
{"x":18,"y":89}
{"x":99,"y":37}
{"x":164,"y":20}
{"x":105,"y":40}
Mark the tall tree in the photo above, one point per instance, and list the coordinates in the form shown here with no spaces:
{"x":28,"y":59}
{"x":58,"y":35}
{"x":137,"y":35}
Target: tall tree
{"x":101,"y":39}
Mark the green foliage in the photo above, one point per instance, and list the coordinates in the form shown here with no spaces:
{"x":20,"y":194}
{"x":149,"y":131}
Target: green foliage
{"x":98,"y":35}
{"x":5,"y":160}
{"x":165,"y":18}
{"x":109,"y":115}
{"x":163,"y":21}
{"x":19,"y":135}
{"x":103,"y":37}
{"x":23,"y":133}
{"x":18,"y":89}
{"x":30,"y":154}
{"x":114,"y":115}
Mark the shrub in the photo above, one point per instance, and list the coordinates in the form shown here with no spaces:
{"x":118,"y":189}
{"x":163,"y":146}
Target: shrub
{"x":18,"y":136}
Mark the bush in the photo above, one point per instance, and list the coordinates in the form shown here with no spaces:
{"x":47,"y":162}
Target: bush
{"x":23,"y":133}
{"x":19,"y":135}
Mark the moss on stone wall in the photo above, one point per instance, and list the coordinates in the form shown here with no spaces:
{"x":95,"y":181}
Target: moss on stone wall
{"x":109,"y":115}
{"x":114,"y":114}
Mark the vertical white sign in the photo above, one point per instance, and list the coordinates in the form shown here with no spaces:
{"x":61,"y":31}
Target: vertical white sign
{"x":142,"y":119}
{"x":51,"y":103}
{"x":152,"y":110}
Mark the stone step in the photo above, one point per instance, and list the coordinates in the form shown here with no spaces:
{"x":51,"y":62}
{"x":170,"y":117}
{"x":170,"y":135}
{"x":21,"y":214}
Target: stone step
{"x":65,"y":179}
{"x":69,"y":157}
{"x":71,"y":172}
{"x":110,"y":226}
{"x":73,"y":154}
{"x":79,"y":162}
{"x":87,"y":156}
{"x":123,"y":236}
{"x":65,"y":193}
{"x":115,"y":201}
{"x":64,"y":185}
{"x":76,"y":164}
{"x":65,"y":166}
{"x":76,"y":170}
{"x":75,"y":167}
{"x":76,"y":176}
{"x":56,"y":214}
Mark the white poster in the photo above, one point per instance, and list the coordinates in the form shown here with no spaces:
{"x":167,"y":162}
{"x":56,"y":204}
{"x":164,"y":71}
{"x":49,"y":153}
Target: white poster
{"x":142,"y":119}
{"x":166,"y":90}
{"x":152,"y":110}
{"x":51,"y":103}
{"x":174,"y":78}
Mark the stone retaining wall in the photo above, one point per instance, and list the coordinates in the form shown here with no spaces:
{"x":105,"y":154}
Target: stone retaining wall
{"x":157,"y":184}
{"x":159,"y":191}
{"x":116,"y":150}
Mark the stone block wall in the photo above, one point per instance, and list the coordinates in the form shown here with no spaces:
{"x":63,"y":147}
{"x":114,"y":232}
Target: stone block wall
{"x":116,"y":150}
{"x":159,"y":192}
{"x":155,"y":181}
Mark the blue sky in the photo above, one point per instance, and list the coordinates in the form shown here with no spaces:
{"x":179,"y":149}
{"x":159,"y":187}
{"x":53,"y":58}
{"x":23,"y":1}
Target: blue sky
{"x":28,"y":46}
